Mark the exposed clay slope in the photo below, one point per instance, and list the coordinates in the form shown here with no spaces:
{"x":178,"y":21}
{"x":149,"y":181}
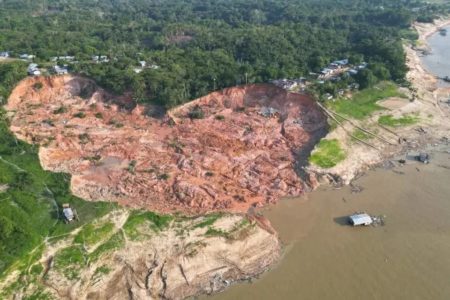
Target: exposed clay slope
{"x":231,"y":159}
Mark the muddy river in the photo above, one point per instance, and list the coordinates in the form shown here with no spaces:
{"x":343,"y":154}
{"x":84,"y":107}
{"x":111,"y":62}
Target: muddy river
{"x":438,"y":61}
{"x":407,"y":258}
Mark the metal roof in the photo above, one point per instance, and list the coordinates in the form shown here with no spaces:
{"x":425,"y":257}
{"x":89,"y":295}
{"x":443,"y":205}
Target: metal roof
{"x":68,"y":213}
{"x":358,"y":219}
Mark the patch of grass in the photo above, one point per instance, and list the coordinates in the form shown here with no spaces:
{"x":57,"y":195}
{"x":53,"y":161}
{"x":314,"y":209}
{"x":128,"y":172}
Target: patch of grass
{"x":361,"y":135}
{"x":363,"y":103}
{"x":102,"y":270}
{"x":217,"y":232}
{"x":208,"y":220}
{"x":36,"y":269}
{"x":69,"y":261}
{"x":91,"y":234}
{"x":138,"y":218}
{"x":39,"y":294}
{"x":219,"y":117}
{"x":73,"y":255}
{"x":390,"y":121}
{"x":116,"y":242}
{"x":327,"y":154}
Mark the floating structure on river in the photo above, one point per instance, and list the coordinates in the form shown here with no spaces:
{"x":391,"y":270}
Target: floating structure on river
{"x":359,"y":219}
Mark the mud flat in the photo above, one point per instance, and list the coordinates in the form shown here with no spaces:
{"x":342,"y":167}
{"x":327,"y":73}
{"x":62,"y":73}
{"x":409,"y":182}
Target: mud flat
{"x":228,"y":151}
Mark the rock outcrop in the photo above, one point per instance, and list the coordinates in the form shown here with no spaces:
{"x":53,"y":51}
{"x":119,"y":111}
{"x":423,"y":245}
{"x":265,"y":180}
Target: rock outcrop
{"x":227,"y":151}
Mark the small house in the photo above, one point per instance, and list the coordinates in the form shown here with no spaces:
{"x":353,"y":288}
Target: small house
{"x":360,"y":219}
{"x":268,"y":112}
{"x":60,"y":70}
{"x":342,"y":62}
{"x":63,"y":58}
{"x":69,"y":213}
{"x":33,"y":70}
{"x":362,"y":66}
{"x":26,"y":56}
{"x":328,"y":96}
{"x":326,"y":71}
{"x":100,"y":58}
{"x":4,"y":54}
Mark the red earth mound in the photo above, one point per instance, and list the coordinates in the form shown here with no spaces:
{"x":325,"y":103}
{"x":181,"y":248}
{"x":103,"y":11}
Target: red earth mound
{"x":242,"y":150}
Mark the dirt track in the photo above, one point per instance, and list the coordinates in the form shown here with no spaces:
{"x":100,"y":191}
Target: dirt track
{"x":231,"y":159}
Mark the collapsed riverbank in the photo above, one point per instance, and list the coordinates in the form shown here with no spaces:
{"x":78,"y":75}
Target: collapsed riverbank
{"x":229,"y":151}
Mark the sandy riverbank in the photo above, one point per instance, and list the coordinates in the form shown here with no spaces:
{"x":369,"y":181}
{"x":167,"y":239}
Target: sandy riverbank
{"x":424,"y":100}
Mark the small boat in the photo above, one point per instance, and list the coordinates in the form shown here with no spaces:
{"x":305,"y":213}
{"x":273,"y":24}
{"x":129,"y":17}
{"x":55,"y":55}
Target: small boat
{"x":446,"y":79}
{"x":443,"y":31}
{"x":360,"y":219}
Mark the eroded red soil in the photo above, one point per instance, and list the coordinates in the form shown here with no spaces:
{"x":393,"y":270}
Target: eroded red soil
{"x":233,"y":158}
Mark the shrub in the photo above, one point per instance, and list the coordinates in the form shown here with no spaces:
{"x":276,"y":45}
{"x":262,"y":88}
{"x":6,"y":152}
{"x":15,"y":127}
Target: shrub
{"x":60,"y":110}
{"x":38,"y":85}
{"x":163,"y":176}
{"x":80,"y":115}
{"x":196,"y":113}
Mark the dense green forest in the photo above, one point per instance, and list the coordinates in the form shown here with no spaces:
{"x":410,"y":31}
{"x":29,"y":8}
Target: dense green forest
{"x":202,"y":45}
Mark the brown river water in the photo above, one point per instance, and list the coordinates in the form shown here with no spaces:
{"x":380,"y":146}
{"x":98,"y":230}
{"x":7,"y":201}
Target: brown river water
{"x":324,"y":258}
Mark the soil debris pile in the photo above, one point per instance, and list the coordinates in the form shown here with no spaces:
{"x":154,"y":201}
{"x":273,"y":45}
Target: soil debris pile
{"x":229,"y":150}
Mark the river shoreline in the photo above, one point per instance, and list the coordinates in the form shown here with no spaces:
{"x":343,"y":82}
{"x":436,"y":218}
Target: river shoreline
{"x":425,"y":100}
{"x":427,"y":136}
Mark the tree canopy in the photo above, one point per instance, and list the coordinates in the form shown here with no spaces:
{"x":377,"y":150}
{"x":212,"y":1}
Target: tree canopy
{"x":202,"y":45}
